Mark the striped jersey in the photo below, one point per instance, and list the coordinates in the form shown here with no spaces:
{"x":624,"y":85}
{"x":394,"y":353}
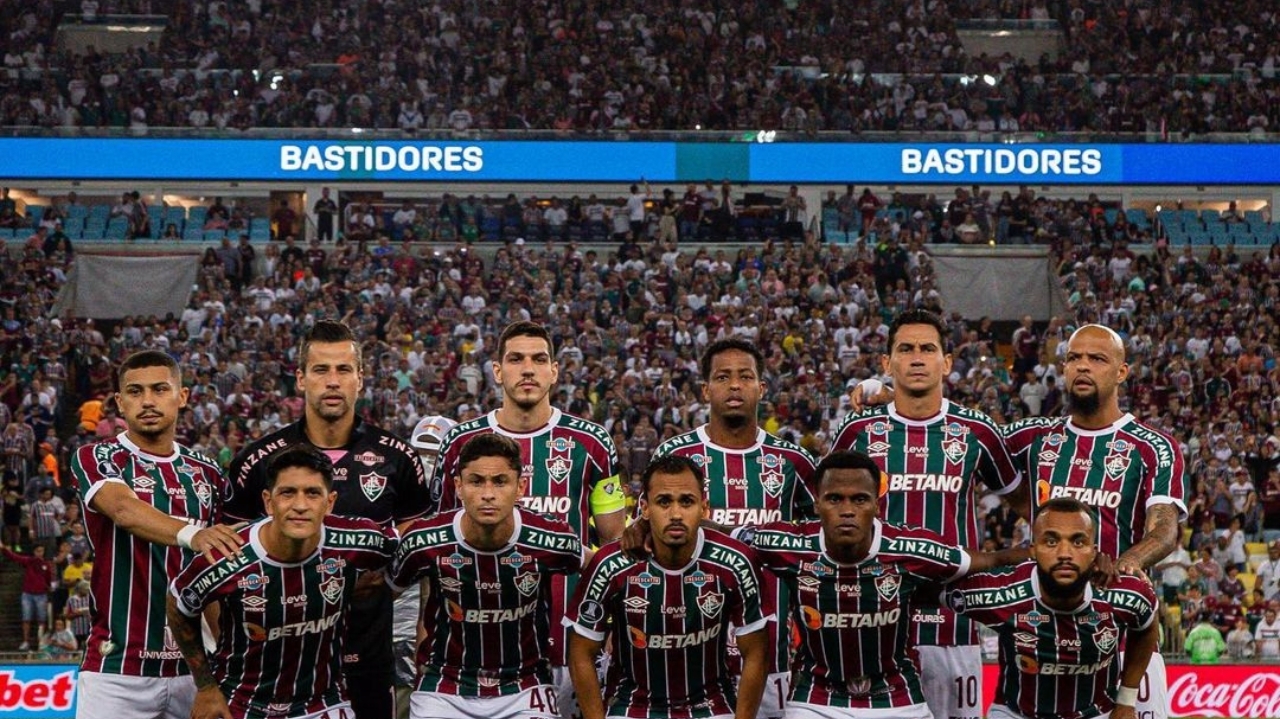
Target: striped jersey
{"x":488,"y":613}
{"x":131,"y":575}
{"x":766,"y":482}
{"x":283,"y":625}
{"x":1120,"y":471}
{"x":571,"y":467}
{"x":671,"y":626}
{"x":1055,"y":664}
{"x":853,"y":617}
{"x":933,"y":468}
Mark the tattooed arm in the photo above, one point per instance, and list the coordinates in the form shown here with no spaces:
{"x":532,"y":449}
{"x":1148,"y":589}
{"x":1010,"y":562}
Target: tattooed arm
{"x":210,"y":703}
{"x":1159,"y":539}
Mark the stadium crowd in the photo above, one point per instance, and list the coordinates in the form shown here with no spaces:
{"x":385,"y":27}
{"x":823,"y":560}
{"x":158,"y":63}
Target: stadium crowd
{"x":629,"y":324}
{"x":1182,"y":68}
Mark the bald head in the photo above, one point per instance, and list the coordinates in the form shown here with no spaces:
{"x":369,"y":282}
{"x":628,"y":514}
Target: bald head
{"x":1100,"y":331}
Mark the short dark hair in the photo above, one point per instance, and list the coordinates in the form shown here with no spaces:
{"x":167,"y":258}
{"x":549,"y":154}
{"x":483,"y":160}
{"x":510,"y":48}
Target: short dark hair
{"x":726,"y":345}
{"x":303,"y":456}
{"x":672,"y":464}
{"x":846,"y":459}
{"x":1070,"y":505}
{"x":918,"y":317}
{"x":144,"y":359}
{"x":524,"y":328}
{"x":325,"y":332}
{"x":491,"y":444}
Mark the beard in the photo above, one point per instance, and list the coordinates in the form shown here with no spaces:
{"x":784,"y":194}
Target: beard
{"x":735,"y":421}
{"x":1085,"y":403}
{"x":1054,"y":590}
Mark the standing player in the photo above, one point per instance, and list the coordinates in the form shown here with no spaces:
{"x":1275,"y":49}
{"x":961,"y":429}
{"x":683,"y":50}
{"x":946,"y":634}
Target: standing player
{"x":853,"y":578}
{"x":148,"y":502}
{"x":933,"y":454}
{"x":570,"y":464}
{"x":671,"y":615}
{"x":753,"y":478}
{"x":376,"y":476}
{"x":1059,"y":638}
{"x":284,"y":600}
{"x":1130,"y":473}
{"x":489,"y":569}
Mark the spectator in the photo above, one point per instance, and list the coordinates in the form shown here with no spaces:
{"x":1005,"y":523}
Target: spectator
{"x":60,"y":642}
{"x":37,"y":581}
{"x":77,"y":612}
{"x":1267,"y":635}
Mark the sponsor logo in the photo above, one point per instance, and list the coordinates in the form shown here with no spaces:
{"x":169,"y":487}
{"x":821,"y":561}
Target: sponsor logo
{"x":253,"y":603}
{"x":678,"y":611}
{"x":880,"y":428}
{"x":191,"y":597}
{"x":701,"y":460}
{"x":674,"y":641}
{"x":859,"y":620}
{"x":815,"y":568}
{"x":551,"y":506}
{"x":954,"y":429}
{"x":698,"y":579}
{"x":528,"y":583}
{"x":299,"y":629}
{"x":56,"y":694}
{"x":926,"y":483}
{"x":253,"y":582}
{"x":449,"y":584}
{"x":745,"y":517}
{"x":1048,"y":457}
{"x":372,"y":485}
{"x":808,"y":582}
{"x":1245,"y":692}
{"x":561,"y":444}
{"x":495,"y":616}
{"x":369,"y":459}
{"x":878,"y":449}
{"x":635,"y":604}
{"x":300,"y":599}
{"x":515,"y":559}
{"x":644,"y":579}
{"x":710,"y":604}
{"x":332,"y":565}
{"x":1034,"y":618}
{"x":144,"y":484}
{"x":1055,"y":439}
{"x":1090,"y":496}
{"x":455,"y":560}
{"x":1025,"y":640}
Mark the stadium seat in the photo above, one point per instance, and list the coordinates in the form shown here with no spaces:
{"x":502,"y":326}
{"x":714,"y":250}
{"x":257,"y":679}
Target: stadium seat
{"x":194,"y":234}
{"x":214,"y":235}
{"x":74,"y":227}
{"x":1109,"y":214}
{"x":1249,"y":580}
{"x":1254,"y":217}
{"x":6,"y":233}
{"x":77,"y":212}
{"x":1138,"y":218}
{"x":36,"y":212}
{"x":103,"y":211}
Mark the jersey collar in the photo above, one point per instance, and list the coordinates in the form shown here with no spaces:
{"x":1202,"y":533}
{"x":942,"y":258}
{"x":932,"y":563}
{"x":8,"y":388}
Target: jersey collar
{"x":123,"y":439}
{"x":462,"y":541}
{"x":697,"y":554}
{"x":1114,"y":427}
{"x":1035,"y":590}
{"x":492,"y":419}
{"x":942,"y":412}
{"x":706,"y":439}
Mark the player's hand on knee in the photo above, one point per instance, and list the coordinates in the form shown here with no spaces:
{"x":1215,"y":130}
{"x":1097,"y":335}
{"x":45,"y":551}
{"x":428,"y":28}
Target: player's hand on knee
{"x":217,"y":541}
{"x":210,"y":704}
{"x":1123,"y":712}
{"x":636,"y":541}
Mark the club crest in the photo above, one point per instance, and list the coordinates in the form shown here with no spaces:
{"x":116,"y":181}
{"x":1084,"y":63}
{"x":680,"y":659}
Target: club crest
{"x":372,"y":485}
{"x":331,"y":589}
{"x":887,"y":587}
{"x":528,"y":583}
{"x":1116,"y":465}
{"x":710,"y":604}
{"x":773,"y":482}
{"x":1105,"y":638}
{"x":955,"y":449}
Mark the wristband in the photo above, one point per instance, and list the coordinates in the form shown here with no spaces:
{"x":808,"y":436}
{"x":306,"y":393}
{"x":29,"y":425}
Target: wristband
{"x":1127,"y":696}
{"x":186,"y":534}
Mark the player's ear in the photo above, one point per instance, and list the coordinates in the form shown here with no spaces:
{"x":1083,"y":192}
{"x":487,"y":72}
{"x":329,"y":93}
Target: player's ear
{"x":266,"y":501}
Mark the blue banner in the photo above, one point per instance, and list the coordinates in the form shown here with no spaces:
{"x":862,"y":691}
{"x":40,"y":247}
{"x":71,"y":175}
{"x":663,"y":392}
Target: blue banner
{"x":38,"y":691}
{"x":627,"y":162}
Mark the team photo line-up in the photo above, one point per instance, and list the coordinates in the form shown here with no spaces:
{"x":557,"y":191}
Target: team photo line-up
{"x":500,"y":568}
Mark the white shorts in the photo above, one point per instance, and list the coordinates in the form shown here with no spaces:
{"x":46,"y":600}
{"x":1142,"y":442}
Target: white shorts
{"x":337,"y":711}
{"x":773,"y":705}
{"x":534,"y":703}
{"x":951,"y":680}
{"x":116,"y":696}
{"x":804,"y":710}
{"x":566,"y":696}
{"x":1000,"y":711}
{"x":1153,"y":692}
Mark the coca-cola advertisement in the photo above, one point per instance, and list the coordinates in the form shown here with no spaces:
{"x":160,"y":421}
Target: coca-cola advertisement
{"x":1234,"y":691}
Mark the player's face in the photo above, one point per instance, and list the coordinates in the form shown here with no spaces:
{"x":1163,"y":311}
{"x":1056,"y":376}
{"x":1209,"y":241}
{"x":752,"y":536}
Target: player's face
{"x":149,"y":399}
{"x":1064,"y":548}
{"x":527,"y":372}
{"x":733,"y":389}
{"x":330,"y":380}
{"x":489,"y":488}
{"x":674,"y":506}
{"x":298,"y":503}
{"x":1094,"y":367}
{"x":916,"y":360}
{"x":847,"y":507}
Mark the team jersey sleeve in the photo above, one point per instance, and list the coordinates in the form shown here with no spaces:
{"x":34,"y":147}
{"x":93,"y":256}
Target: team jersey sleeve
{"x":750,"y":608}
{"x":567,"y":555}
{"x":440,"y":495}
{"x":246,"y":479}
{"x":606,"y":489}
{"x":1134,"y":602}
{"x":93,"y":467}
{"x":1018,"y":438}
{"x":928,"y":555}
{"x":1167,"y":475}
{"x":982,"y":596}
{"x":588,"y":611}
{"x":412,"y":559}
{"x":804,"y":494}
{"x":774,"y":545}
{"x":368,"y":546}
{"x":995,"y":468}
{"x":200,"y":583}
{"x":413,"y":494}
